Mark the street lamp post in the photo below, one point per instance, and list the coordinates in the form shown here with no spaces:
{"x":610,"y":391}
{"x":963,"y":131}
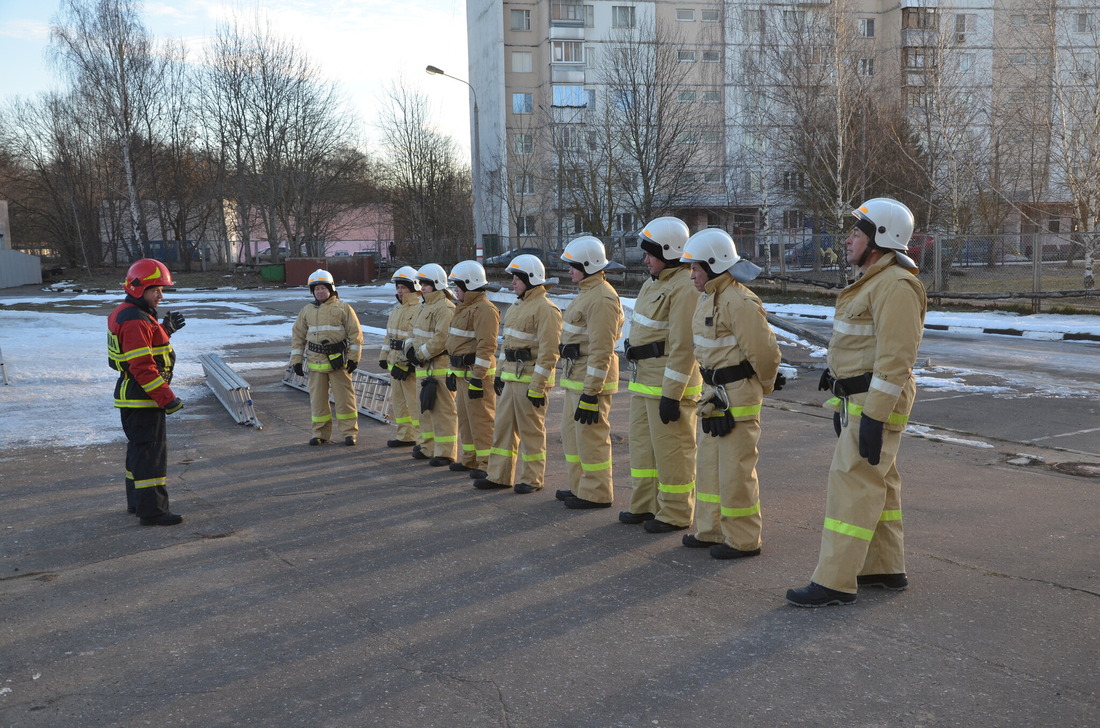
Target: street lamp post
{"x":479,"y":218}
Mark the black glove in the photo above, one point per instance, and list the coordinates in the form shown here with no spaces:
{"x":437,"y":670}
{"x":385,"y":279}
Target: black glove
{"x":427,"y":394}
{"x":836,"y":423}
{"x":780,"y":382}
{"x":498,"y":385}
{"x":588,"y":410}
{"x":823,"y":383}
{"x":870,"y":439}
{"x":475,"y":389}
{"x":384,"y":364}
{"x":173,"y":322}
{"x":538,"y":399}
{"x":452,"y":382}
{"x":669,"y":410}
{"x":351,"y":365}
{"x":412,"y":357}
{"x":174,"y":406}
{"x":721,"y":424}
{"x":298,"y":369}
{"x":399,"y":373}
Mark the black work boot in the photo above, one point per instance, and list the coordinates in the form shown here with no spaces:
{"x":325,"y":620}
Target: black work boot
{"x":816,"y":595}
{"x":580,"y":503}
{"x":658,"y":526}
{"x":893,"y":582}
{"x":524,"y":488}
{"x":486,"y":484}
{"x":722,"y":551}
{"x":634,"y":518}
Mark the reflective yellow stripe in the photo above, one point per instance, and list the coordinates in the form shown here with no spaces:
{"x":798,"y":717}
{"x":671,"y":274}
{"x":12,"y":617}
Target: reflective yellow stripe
{"x":693,"y":391}
{"x":686,"y":488}
{"x":749,"y":411}
{"x":590,"y":406}
{"x":533,"y":457}
{"x":708,"y":497}
{"x":891,"y":516}
{"x":572,"y":384}
{"x":136,"y":403}
{"x":595,"y":467}
{"x":644,"y":389}
{"x":403,"y":420}
{"x":432,"y":372}
{"x":427,"y":436}
{"x":159,"y":381}
{"x":467,"y":447}
{"x":151,"y":482}
{"x":351,"y":416}
{"x":741,"y":512}
{"x":572,"y":458}
{"x":482,"y":453}
{"x":323,"y":418}
{"x":446,"y":439}
{"x":895,"y":418}
{"x":643,"y":472}
{"x":510,"y":377}
{"x":502,"y":452}
{"x":848,"y":529}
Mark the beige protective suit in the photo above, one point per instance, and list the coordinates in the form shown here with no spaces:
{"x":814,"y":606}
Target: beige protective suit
{"x":330,"y":324}
{"x":406,"y":407}
{"x":472,"y":342}
{"x":431,"y":326}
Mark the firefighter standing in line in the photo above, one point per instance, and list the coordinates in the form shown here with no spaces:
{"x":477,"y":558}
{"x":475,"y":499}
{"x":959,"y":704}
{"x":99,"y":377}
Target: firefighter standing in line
{"x":739,"y":361}
{"x":877,"y":330}
{"x":472,"y":344}
{"x":427,"y":349}
{"x":138,"y":348}
{"x":532,"y":330}
{"x":665,"y":384}
{"x":327,"y":340}
{"x":591,"y":325}
{"x":406,"y":407}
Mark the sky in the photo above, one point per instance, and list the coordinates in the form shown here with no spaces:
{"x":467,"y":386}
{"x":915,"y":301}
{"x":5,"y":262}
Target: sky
{"x":363,"y":45}
{"x":73,"y":377}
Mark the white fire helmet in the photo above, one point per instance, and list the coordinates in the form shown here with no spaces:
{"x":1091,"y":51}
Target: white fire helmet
{"x":529,"y":269}
{"x":892,"y":220}
{"x":322,"y":277}
{"x":433,"y":275}
{"x":406,"y":275}
{"x":588,"y":254}
{"x":664,"y":238}
{"x":469,"y":275}
{"x":714,"y":249}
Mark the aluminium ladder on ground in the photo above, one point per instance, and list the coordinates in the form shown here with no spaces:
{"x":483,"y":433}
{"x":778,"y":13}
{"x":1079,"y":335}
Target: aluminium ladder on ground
{"x":231,"y":389}
{"x":372,"y":392}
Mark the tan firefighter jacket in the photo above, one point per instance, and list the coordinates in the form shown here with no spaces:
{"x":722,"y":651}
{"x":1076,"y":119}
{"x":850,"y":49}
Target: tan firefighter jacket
{"x":877,"y":329}
{"x":325,"y":334}
{"x":399,"y":330}
{"x":662,"y":315}
{"x":730,"y":327}
{"x":532,"y":326}
{"x":474,"y":331}
{"x":431,"y":326}
{"x":592,"y":324}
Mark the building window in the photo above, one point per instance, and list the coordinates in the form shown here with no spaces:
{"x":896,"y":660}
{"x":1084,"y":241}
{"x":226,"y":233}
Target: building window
{"x":567,"y":51}
{"x":710,"y":16}
{"x":525,"y":225}
{"x":755,"y":22}
{"x":793,"y":19}
{"x":570,"y":12}
{"x":686,"y":15}
{"x":712,"y":56}
{"x":1017,"y":21}
{"x":793,"y":181}
{"x":919,"y":18}
{"x":524,"y":185}
{"x":1082,"y":22}
{"x":571,"y":96}
{"x":686,"y":136}
{"x":569,"y":137}
{"x":523,"y":104}
{"x":622,"y":16}
{"x":1017,"y":59}
{"x":712,"y":97}
{"x":712,"y":136}
{"x":522,"y":62}
{"x":685,"y":56}
{"x":866,"y":67}
{"x":966,"y":62}
{"x":685,"y":97}
{"x":792,"y":219}
{"x":523,"y":144}
{"x":866,"y":27}
{"x":965,"y":23}
{"x":920,"y":57}
{"x":624,"y":222}
{"x":623,"y":99}
{"x":712,"y":177}
{"x":521,"y":19}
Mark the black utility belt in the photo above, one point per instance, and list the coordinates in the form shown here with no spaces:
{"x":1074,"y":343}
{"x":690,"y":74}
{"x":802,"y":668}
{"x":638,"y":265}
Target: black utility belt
{"x":845,"y":387}
{"x":517,"y":355}
{"x":397,"y":344}
{"x":726,"y":375}
{"x":327,"y":348}
{"x":569,"y":351}
{"x":462,"y":360}
{"x":644,"y":351}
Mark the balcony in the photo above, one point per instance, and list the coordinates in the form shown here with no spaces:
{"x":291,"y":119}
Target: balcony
{"x":919,"y":38}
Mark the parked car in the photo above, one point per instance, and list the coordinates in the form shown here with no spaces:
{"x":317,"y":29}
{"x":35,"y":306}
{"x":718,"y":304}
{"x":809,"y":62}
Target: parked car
{"x":506,"y":257}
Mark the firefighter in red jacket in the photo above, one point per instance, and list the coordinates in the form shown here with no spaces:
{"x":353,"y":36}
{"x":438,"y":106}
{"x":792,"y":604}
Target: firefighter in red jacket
{"x":138,"y":348}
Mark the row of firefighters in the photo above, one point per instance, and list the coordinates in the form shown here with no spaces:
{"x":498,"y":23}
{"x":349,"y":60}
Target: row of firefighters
{"x":700,"y":349}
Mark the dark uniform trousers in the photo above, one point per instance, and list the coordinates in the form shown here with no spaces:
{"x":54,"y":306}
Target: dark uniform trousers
{"x":146,"y":460}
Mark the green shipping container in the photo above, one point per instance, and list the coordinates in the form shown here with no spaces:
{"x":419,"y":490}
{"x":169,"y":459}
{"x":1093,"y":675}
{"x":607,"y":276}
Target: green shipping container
{"x":273,"y":273}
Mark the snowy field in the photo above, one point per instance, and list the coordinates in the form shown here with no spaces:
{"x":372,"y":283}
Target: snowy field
{"x":61,"y":390}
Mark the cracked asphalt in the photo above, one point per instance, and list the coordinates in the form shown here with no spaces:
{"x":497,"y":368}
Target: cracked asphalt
{"x":339,"y":586}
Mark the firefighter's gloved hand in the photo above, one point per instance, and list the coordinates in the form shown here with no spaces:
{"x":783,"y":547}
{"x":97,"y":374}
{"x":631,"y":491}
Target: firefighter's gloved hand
{"x":298,"y":369}
{"x":588,"y":410}
{"x":173,"y":322}
{"x":475,"y":389}
{"x":669,"y":410}
{"x":836,"y":423}
{"x":498,"y":385}
{"x":538,"y":399}
{"x":823,"y":383}
{"x":780,"y":382}
{"x":870,"y":439}
{"x":412,"y":357}
{"x":174,"y":406}
{"x":384,"y":364}
{"x":399,"y":373}
{"x":721,"y":423}
{"x":452,"y":382}
{"x":427,"y":394}
{"x":351,"y":365}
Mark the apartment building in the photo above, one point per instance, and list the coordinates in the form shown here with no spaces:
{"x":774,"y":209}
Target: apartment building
{"x":753,"y":116}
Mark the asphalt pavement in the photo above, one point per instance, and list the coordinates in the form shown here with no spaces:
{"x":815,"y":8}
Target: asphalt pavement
{"x":338,"y":586}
